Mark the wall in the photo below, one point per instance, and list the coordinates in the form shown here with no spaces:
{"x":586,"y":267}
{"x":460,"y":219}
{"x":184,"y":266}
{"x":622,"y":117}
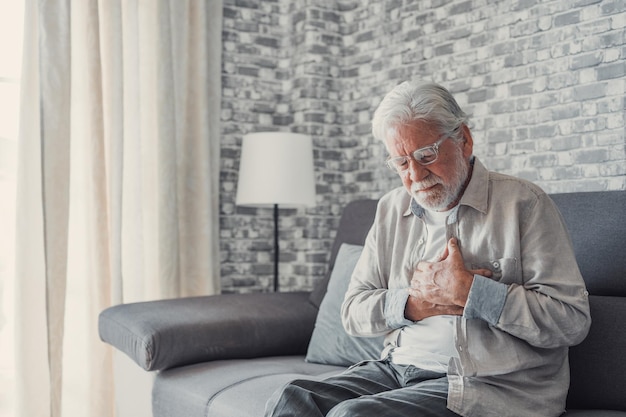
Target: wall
{"x":543,"y":81}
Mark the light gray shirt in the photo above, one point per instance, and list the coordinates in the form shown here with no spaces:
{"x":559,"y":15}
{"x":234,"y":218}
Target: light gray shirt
{"x":512,"y":340}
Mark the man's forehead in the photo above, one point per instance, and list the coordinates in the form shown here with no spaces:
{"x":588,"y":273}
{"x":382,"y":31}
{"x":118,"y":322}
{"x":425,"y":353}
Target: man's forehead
{"x":416,"y":134}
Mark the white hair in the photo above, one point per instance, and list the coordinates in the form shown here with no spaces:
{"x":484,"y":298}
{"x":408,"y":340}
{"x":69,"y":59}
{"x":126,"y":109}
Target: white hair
{"x":419,"y":100}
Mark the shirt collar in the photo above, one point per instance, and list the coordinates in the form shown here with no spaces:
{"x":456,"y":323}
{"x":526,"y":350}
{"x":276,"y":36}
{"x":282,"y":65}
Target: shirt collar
{"x":476,"y":193}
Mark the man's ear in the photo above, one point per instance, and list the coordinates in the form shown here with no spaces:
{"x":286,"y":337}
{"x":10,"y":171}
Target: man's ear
{"x":468,"y":142}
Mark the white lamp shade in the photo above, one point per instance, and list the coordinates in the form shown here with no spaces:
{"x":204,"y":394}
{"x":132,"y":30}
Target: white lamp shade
{"x":276,"y":168}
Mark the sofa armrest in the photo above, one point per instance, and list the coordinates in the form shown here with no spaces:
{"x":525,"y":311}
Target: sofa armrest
{"x":168,"y":333}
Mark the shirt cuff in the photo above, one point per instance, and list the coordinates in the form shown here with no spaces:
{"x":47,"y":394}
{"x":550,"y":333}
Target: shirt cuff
{"x":486,"y":300}
{"x":395,"y":303}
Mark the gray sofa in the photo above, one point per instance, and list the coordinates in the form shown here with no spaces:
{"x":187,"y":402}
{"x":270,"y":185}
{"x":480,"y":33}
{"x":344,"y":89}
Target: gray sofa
{"x":224,"y":355}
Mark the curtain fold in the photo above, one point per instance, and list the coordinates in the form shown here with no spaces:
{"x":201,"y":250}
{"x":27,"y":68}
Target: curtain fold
{"x":117,"y":186}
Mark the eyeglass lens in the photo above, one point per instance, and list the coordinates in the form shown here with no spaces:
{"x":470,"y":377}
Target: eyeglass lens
{"x":423,"y":156}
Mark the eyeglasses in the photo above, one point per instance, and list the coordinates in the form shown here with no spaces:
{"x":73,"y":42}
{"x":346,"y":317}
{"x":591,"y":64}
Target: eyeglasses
{"x":423,"y":156}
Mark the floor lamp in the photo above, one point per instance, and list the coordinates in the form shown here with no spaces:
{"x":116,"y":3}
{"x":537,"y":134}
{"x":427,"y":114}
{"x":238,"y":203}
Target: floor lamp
{"x":276,"y":168}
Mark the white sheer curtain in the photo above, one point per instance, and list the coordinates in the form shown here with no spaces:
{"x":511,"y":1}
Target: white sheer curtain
{"x":117,"y":182}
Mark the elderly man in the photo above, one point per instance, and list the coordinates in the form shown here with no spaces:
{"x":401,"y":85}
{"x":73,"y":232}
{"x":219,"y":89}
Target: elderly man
{"x":469,"y":274}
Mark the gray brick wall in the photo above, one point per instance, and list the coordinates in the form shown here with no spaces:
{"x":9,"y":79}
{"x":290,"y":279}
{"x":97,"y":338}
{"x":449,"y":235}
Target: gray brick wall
{"x":543,"y":80}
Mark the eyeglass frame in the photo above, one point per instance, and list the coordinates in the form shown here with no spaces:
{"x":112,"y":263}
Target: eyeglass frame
{"x":434,"y":147}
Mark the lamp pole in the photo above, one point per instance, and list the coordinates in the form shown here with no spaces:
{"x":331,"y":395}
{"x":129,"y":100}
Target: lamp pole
{"x":276,"y":249}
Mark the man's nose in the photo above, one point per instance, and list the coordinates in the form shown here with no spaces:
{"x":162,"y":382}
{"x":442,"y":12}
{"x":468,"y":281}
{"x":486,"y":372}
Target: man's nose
{"x":417,"y":172}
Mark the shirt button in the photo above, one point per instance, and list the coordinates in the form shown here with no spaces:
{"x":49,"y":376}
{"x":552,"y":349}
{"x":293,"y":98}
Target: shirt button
{"x":421,"y":241}
{"x":496,"y":264}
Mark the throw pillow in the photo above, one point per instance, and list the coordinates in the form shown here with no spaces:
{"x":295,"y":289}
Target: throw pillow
{"x":330,"y":344}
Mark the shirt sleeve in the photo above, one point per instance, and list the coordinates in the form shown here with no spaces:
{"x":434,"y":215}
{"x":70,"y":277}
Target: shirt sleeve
{"x":395,"y":303}
{"x":486,"y":300}
{"x":548,"y":305}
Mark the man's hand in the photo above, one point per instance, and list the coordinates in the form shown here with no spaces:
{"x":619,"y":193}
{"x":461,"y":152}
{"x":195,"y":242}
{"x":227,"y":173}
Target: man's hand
{"x":441,"y":287}
{"x":417,"y":309}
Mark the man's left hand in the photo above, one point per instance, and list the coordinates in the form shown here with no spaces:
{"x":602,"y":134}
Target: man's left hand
{"x":447,"y":281}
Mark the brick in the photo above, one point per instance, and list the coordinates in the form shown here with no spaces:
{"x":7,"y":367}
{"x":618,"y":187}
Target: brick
{"x":616,"y":70}
{"x":588,"y":156}
{"x":252,"y":4}
{"x":523,"y":4}
{"x":522,"y":147}
{"x":524,"y":28}
{"x":611,"y":7}
{"x":593,"y":124}
{"x":528,"y":174}
{"x":566,"y":143}
{"x":282,"y":120}
{"x":588,"y":92}
{"x":587,"y":60}
{"x":612,"y":169}
{"x":523,"y":88}
{"x":445,"y":49}
{"x":562,"y":80}
{"x":513,"y":60}
{"x":502,"y":106}
{"x":460,"y":8}
{"x":569,"y":18}
{"x":566,"y":112}
{"x":543,"y":131}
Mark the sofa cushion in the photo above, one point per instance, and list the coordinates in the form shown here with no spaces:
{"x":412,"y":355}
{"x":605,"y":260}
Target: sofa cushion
{"x":330,"y":344}
{"x":226,"y":388}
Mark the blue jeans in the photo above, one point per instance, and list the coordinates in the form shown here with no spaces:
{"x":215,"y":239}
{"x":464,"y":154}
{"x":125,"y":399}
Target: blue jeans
{"x":372,"y":388}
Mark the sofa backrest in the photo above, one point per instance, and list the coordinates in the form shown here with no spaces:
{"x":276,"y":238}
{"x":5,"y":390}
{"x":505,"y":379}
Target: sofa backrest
{"x":597,"y":225}
{"x":355,"y":222}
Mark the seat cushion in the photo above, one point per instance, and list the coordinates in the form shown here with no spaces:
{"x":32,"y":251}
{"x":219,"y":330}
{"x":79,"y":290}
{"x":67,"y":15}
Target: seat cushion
{"x":229,"y":387}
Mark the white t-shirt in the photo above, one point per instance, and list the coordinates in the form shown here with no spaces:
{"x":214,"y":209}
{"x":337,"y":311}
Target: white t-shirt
{"x":429,"y":343}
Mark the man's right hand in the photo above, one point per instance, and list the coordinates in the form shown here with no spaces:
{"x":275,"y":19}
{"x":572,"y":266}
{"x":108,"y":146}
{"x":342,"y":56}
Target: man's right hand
{"x":417,"y":309}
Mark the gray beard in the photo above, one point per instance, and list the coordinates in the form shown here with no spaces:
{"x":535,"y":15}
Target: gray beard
{"x":443,"y":197}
